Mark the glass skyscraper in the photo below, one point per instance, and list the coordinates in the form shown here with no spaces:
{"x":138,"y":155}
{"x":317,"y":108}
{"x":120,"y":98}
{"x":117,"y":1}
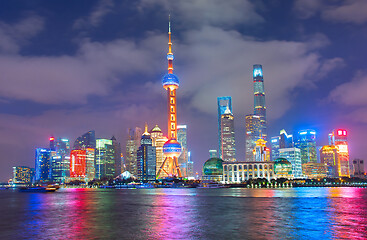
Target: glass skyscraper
{"x":259,"y":98}
{"x":339,"y":140}
{"x":253,"y":134}
{"x":223,"y":104}
{"x":42,"y":165}
{"x":227,"y":148}
{"x":183,"y":158}
{"x":293,"y":155}
{"x":105,"y":159}
{"x":60,"y":159}
{"x":274,"y":147}
{"x":87,"y":140}
{"x":306,"y":142}
{"x":146,"y":157}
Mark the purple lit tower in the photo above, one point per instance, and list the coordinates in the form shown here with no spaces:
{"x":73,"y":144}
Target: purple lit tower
{"x":172,"y":148}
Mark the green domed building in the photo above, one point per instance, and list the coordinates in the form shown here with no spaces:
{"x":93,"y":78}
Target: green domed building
{"x":283,"y":168}
{"x":213,"y":169}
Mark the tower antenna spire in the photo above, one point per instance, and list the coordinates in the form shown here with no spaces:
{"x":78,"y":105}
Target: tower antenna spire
{"x":169,"y":23}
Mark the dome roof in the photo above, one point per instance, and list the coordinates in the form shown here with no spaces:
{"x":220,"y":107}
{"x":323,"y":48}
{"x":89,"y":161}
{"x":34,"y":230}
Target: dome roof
{"x":170,"y":79}
{"x":282,"y":166}
{"x":172,"y":148}
{"x":213,"y":166}
{"x":156,"y":129}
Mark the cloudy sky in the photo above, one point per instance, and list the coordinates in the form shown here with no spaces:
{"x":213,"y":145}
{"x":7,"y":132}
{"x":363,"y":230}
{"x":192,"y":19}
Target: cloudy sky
{"x":67,"y":67}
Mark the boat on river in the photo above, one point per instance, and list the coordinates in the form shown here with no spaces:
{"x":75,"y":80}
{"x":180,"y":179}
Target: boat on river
{"x":37,"y":189}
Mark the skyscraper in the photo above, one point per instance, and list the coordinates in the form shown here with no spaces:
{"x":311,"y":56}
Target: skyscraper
{"x":146,"y":156}
{"x":329,"y":157}
{"x":87,"y":140}
{"x":105,"y":159}
{"x":286,"y":140}
{"x":183,"y":158}
{"x":293,"y":155}
{"x":274,"y":147}
{"x":253,"y":133}
{"x":60,"y":159}
{"x":42,"y":165}
{"x":158,"y":141}
{"x":227,"y":149}
{"x":172,"y":148}
{"x":339,"y":139}
{"x":259,"y":98}
{"x":224,"y":103}
{"x":82,"y":164}
{"x":130,"y":155}
{"x":117,"y":149}
{"x":190,"y":166}
{"x":306,"y":142}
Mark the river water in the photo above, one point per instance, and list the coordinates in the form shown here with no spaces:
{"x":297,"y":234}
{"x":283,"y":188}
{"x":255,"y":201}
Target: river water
{"x":294,"y":213}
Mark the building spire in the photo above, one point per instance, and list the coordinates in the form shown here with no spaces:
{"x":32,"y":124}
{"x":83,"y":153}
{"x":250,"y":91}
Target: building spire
{"x":146,"y":130}
{"x":170,"y":56}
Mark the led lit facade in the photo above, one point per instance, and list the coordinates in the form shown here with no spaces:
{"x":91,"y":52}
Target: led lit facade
{"x":172,"y":148}
{"x":190,"y":167}
{"x":253,"y":133}
{"x":82,"y":165}
{"x":259,"y":98}
{"x":286,"y":140}
{"x":22,"y":175}
{"x":307,"y":144}
{"x":239,"y":172}
{"x":42,"y":165}
{"x":329,"y":157}
{"x":146,"y":157}
{"x":60,"y":159}
{"x":293,"y":155}
{"x":339,"y":140}
{"x":105,"y":159}
{"x":261,"y":153}
{"x":314,"y":170}
{"x":183,"y":158}
{"x":223,"y":103}
{"x":227,"y":149}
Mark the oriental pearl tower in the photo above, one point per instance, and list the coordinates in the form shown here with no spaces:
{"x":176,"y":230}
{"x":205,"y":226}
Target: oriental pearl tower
{"x":172,"y":148}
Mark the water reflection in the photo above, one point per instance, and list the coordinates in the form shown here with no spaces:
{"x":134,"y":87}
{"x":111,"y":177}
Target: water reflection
{"x":294,"y":213}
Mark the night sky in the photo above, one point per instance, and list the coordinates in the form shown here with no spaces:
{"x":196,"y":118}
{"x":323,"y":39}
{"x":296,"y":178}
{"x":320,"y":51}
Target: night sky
{"x":67,"y":67}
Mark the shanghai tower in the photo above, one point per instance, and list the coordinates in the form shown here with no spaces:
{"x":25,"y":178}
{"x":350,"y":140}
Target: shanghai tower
{"x":259,"y":98}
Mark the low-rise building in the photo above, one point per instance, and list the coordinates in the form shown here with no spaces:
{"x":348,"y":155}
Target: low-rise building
{"x":237,"y":172}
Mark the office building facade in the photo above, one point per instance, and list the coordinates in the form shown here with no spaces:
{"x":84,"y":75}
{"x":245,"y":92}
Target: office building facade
{"x":223,"y":103}
{"x":259,"y":98}
{"x":253,"y":133}
{"x":293,"y":155}
{"x":227,"y":135}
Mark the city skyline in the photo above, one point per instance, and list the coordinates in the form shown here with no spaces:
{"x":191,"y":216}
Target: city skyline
{"x":106,"y":76}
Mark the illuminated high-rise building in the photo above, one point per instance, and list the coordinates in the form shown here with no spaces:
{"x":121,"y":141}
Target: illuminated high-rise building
{"x":87,"y":140}
{"x":286,"y":140}
{"x":306,"y":142}
{"x":42,"y":165}
{"x":227,"y":149}
{"x":329,"y":157}
{"x":82,"y":165}
{"x":105,"y":159}
{"x":253,"y":133}
{"x":60,"y":159}
{"x":261,"y":153}
{"x":22,"y":175}
{"x":183,"y":158}
{"x":293,"y":155}
{"x":358,"y":168}
{"x":117,"y":150}
{"x":146,"y":156}
{"x":158,"y":141}
{"x":259,"y":98}
{"x":130,"y":154}
{"x":190,"y":166}
{"x":274,"y":147}
{"x":172,"y":148}
{"x":338,"y":138}
{"x":224,"y":103}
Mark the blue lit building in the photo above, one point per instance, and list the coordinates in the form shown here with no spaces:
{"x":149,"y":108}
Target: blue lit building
{"x":42,"y":165}
{"x":146,"y":156}
{"x":253,"y":133}
{"x":259,"y":98}
{"x":306,"y":142}
{"x":104,"y":159}
{"x":274,"y":147}
{"x":60,"y":159}
{"x":286,"y":140}
{"x":224,"y":103}
{"x":293,"y":155}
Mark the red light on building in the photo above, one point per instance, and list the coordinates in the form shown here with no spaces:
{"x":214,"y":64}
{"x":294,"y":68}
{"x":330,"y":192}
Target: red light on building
{"x":341,"y":132}
{"x":78,"y":163}
{"x":52,"y":138}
